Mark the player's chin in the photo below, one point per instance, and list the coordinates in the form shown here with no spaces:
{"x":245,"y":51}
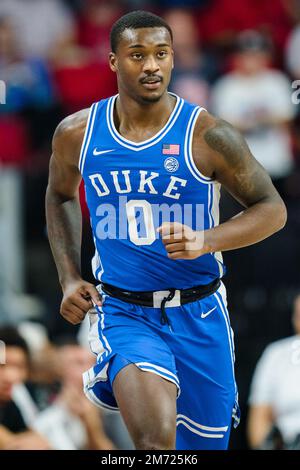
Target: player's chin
{"x":151,"y":96}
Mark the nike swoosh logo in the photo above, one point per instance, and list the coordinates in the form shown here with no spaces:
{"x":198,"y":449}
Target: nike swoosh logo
{"x":204,"y":315}
{"x":100,"y":152}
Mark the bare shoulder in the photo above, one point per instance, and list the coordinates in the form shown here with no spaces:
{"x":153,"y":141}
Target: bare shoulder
{"x":221,"y":151}
{"x":217,"y":142}
{"x":68,"y":136}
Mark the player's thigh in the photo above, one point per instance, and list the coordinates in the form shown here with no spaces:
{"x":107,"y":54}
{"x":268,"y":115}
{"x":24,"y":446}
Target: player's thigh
{"x":147,"y":403}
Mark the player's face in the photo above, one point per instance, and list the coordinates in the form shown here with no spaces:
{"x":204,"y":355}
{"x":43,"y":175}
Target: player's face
{"x":143,"y":63}
{"x":74,"y":360}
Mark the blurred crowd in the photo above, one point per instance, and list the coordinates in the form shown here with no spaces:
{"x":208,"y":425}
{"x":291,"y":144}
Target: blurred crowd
{"x":42,"y":405}
{"x":241,"y":61}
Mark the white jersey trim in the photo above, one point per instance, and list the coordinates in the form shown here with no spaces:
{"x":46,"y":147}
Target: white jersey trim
{"x":221,"y":293}
{"x":87,"y":136}
{"x":199,"y":433}
{"x":97,"y":266}
{"x":214,"y":194}
{"x":95,"y":343}
{"x":159,"y":369}
{"x":94,"y":399}
{"x":201,"y":426}
{"x":90,"y":379}
{"x":188,"y":143}
{"x":138,"y":146}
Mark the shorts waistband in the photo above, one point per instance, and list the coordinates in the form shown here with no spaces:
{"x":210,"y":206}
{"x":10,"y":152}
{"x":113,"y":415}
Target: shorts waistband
{"x":172,"y":297}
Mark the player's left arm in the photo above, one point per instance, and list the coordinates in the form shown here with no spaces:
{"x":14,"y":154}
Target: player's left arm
{"x":221,"y":153}
{"x":248,"y":182}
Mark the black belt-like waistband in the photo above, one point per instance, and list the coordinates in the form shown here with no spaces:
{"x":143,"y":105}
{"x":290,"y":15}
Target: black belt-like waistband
{"x":146,"y":298}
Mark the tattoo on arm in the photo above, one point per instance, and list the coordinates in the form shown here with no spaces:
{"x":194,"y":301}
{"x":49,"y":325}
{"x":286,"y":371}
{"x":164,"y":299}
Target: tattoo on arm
{"x":236,"y":168}
{"x":248,"y":182}
{"x":224,"y":138}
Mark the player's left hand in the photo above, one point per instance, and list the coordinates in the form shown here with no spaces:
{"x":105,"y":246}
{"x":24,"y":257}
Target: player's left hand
{"x":182,"y":242}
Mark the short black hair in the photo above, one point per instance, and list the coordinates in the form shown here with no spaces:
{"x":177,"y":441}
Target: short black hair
{"x":12,"y":338}
{"x":135,"y":20}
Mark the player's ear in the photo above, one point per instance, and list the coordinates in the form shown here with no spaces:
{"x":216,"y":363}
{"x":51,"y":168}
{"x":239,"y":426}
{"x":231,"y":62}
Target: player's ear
{"x":172,"y":59}
{"x":113,"y":61}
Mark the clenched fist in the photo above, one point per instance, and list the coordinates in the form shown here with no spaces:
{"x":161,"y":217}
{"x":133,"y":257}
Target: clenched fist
{"x":182,"y":242}
{"x":79,"y":297}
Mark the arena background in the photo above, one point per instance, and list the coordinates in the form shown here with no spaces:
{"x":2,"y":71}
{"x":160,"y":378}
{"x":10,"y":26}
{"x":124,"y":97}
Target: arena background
{"x":53,"y":61}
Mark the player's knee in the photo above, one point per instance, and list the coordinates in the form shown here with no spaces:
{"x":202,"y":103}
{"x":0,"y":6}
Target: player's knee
{"x":162,"y":437}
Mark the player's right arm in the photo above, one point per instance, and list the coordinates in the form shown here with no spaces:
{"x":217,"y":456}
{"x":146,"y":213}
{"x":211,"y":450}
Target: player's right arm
{"x":63,"y":216}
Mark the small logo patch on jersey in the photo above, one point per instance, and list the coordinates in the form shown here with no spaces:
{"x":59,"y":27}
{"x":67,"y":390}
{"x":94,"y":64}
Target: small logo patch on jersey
{"x":171,"y":149}
{"x":171,"y":164}
{"x":100,"y":152}
{"x":204,"y":315}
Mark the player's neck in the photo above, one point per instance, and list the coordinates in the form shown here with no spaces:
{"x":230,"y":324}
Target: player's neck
{"x":131,"y":116}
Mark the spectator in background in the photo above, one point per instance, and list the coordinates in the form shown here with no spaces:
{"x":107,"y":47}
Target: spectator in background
{"x":27,"y":79}
{"x":43,"y":384}
{"x":81,"y":80}
{"x":30,"y":99}
{"x":42,"y":26}
{"x":224,"y":19}
{"x":194,"y":70}
{"x":275,"y":397}
{"x":81,"y":72}
{"x":19,"y":79}
{"x":257,"y":100}
{"x":28,"y":95}
{"x":292,"y":52}
{"x":14,"y":433}
{"x":95,"y":21}
{"x":72,"y":422}
{"x":15,"y":370}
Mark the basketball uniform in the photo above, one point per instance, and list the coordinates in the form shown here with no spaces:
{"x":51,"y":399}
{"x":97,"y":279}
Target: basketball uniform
{"x":131,"y":188}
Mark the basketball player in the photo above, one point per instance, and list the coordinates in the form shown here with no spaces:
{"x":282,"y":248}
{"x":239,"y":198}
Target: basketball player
{"x":164,"y":346}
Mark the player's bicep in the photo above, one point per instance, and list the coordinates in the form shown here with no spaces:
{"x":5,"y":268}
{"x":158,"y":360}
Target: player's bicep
{"x":64,"y":174}
{"x":235,"y":167}
{"x":64,"y":177}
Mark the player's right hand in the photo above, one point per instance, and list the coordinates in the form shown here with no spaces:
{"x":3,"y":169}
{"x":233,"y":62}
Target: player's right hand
{"x":79,"y":297}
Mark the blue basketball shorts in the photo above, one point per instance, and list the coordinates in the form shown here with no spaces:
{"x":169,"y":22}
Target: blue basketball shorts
{"x":197,"y":355}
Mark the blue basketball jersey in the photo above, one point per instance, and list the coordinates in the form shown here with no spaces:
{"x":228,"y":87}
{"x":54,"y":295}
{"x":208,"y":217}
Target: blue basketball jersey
{"x":131,"y":188}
